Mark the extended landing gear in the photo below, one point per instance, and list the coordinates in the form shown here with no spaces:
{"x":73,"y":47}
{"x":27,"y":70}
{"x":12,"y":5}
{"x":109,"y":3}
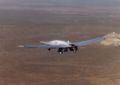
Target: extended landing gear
{"x":60,"y":50}
{"x":49,"y":49}
{"x":73,"y":49}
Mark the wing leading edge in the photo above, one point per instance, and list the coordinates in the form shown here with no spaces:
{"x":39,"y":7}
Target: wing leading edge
{"x":86,"y":42}
{"x":42,"y":46}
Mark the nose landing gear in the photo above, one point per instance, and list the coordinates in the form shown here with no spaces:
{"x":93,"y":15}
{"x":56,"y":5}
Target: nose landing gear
{"x":60,"y":50}
{"x":49,"y":49}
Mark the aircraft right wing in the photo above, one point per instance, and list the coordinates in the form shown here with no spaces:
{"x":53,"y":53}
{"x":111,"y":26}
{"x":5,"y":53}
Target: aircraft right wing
{"x":86,"y":42}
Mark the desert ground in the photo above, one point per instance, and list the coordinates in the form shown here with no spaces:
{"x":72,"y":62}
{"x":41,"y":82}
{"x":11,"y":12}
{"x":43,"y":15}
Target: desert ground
{"x":28,"y":23}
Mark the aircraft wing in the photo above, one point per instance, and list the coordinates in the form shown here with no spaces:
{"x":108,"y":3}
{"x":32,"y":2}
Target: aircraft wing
{"x":42,"y":46}
{"x":86,"y":42}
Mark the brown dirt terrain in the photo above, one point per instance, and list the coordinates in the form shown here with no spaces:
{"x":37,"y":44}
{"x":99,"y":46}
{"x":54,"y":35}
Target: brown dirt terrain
{"x":92,"y":65}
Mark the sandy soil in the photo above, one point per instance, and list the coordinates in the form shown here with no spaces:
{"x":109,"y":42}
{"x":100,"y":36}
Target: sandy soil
{"x":92,"y":65}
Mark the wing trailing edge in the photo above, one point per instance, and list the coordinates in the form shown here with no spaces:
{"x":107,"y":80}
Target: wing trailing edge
{"x":86,"y":42}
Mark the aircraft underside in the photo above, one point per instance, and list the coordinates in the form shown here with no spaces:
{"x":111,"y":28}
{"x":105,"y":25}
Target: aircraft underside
{"x":62,"y":50}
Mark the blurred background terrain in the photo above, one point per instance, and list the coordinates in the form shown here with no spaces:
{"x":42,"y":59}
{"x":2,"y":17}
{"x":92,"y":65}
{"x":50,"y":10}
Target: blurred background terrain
{"x":30,"y":21}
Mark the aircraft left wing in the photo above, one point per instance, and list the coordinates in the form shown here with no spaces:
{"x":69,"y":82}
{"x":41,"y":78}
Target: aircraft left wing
{"x":86,"y":42}
{"x":42,"y":46}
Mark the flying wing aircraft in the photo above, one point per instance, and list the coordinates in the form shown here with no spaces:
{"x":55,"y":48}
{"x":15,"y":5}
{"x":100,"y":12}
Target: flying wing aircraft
{"x":62,"y":45}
